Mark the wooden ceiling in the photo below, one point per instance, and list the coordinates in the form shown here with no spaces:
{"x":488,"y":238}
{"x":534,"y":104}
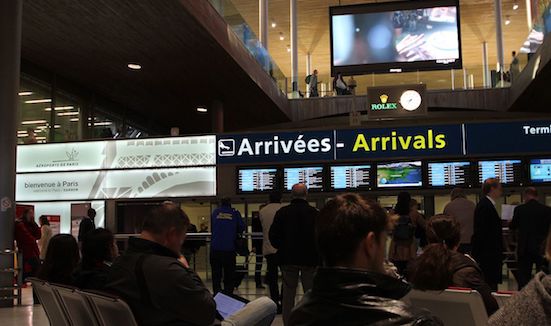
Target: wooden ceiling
{"x":477,"y":26}
{"x":184,"y":66}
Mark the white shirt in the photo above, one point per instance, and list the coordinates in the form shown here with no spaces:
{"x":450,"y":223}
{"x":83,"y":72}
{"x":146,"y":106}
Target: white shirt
{"x":492,"y":200}
{"x":266,"y":215}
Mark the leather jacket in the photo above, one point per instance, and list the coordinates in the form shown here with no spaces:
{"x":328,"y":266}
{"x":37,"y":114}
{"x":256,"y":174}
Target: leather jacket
{"x":342,"y":296}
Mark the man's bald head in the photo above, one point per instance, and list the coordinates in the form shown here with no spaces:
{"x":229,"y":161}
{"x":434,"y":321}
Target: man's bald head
{"x":299,"y":191}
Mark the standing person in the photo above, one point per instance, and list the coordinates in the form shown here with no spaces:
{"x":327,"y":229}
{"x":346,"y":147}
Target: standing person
{"x":267,"y":214}
{"x":292,"y":233}
{"x":352,"y":288}
{"x":27,"y":233}
{"x":226,"y":224}
{"x":61,"y":260}
{"x":402,"y":246}
{"x":87,"y":224}
{"x":256,"y":227}
{"x":46,"y":235}
{"x":487,"y":234}
{"x":352,"y":84}
{"x":531,"y":305}
{"x":514,"y":70}
{"x":441,"y":265}
{"x":531,"y":220}
{"x":462,"y":210}
{"x":339,"y":85}
{"x":420,"y":221}
{"x":313,"y":84}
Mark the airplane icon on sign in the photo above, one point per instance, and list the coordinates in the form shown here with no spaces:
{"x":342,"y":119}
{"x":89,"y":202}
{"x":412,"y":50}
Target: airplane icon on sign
{"x":226,"y":147}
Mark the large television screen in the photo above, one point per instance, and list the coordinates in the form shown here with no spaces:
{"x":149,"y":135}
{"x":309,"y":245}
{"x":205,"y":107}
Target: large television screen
{"x":540,"y":170}
{"x":257,"y":180}
{"x":449,"y":174}
{"x":350,"y":177}
{"x":312,"y":177}
{"x":395,"y":37}
{"x":402,"y":174}
{"x":507,"y":171}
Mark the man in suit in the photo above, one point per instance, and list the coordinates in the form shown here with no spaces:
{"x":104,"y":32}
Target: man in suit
{"x":487,"y":238}
{"x":531,"y":220}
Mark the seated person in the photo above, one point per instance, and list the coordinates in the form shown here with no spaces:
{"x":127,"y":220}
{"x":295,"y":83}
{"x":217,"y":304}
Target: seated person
{"x":532,"y":305}
{"x":352,"y":287}
{"x":155,"y":279}
{"x":98,"y":252}
{"x":441,"y":265}
{"x":61,"y":260}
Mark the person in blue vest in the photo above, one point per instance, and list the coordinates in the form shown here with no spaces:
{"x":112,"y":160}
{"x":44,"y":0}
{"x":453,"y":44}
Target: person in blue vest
{"x":226,"y":224}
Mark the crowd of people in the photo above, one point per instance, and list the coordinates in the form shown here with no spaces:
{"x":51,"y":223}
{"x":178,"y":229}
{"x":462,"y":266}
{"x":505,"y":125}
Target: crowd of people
{"x":339,"y":254}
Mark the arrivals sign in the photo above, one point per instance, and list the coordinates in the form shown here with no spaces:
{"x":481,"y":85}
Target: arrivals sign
{"x":396,"y":101}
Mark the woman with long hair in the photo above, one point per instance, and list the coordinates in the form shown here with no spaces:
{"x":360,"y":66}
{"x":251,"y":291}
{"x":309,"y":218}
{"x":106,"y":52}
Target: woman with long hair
{"x":441,"y":265}
{"x":46,"y":232}
{"x":62,"y":258}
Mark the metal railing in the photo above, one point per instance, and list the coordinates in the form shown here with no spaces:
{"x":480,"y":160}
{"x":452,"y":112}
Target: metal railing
{"x":17,"y":271}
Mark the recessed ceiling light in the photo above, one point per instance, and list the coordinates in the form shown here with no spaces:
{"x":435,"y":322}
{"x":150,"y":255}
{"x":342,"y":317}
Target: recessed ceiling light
{"x":515,"y":6}
{"x":134,"y":66}
{"x":288,"y":48}
{"x":59,"y":108}
{"x":44,"y":100}
{"x":274,"y":25}
{"x":202,"y":110}
{"x":33,"y":122}
{"x":64,"y":114}
{"x":281,"y":37}
{"x":25,"y":93}
{"x":507,"y":20}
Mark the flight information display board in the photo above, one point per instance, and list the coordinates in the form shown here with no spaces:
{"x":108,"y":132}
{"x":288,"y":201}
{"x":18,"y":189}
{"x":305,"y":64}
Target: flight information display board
{"x":448,"y":174}
{"x":312,"y":177}
{"x":350,"y":177}
{"x":507,"y":171}
{"x":257,"y":180}
{"x":540,"y":170}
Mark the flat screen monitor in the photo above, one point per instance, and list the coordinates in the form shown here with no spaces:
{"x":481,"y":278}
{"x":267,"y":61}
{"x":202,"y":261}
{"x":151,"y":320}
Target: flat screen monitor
{"x":402,"y":174}
{"x":449,"y":174}
{"x":540,"y":170}
{"x":312,"y":177}
{"x":395,"y":37}
{"x":257,"y":180}
{"x":350,"y":177}
{"x":507,"y":171}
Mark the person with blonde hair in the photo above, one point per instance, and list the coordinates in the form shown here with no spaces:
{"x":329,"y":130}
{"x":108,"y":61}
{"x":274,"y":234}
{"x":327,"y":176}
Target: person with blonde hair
{"x":532,"y":305}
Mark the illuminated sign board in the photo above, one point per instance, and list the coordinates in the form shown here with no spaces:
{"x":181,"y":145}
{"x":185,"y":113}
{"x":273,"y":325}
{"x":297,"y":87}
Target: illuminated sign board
{"x":397,"y":101}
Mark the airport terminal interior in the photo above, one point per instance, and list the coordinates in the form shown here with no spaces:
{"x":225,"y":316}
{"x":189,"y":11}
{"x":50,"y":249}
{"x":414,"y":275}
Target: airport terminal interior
{"x":133,"y":120}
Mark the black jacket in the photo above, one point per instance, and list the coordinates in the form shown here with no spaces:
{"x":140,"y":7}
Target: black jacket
{"x":531,"y":220}
{"x":349,"y":297}
{"x":487,"y":240}
{"x":91,"y":279}
{"x":158,"y":288}
{"x":85,"y":226}
{"x":467,"y":274}
{"x":293,"y":234}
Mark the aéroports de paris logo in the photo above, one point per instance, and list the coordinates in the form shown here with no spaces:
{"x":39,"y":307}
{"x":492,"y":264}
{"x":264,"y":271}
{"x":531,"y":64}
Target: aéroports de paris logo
{"x":226,"y":147}
{"x":72,"y":156}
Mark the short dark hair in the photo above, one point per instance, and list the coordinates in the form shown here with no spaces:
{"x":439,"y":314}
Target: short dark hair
{"x":531,"y":191}
{"x":225,"y":201}
{"x":168,"y":215}
{"x":43,"y":219}
{"x":91,"y":212}
{"x":275,"y":197}
{"x":403,"y":204}
{"x":343,"y":223}
{"x":97,"y":248}
{"x":489,"y":184}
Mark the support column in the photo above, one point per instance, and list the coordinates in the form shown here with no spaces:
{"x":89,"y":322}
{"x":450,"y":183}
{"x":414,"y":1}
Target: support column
{"x":10,"y":65}
{"x":294,"y":49}
{"x":529,"y":14}
{"x":263,"y":22}
{"x":485,"y":69}
{"x":217,"y":114}
{"x":308,"y":72}
{"x":499,"y":37}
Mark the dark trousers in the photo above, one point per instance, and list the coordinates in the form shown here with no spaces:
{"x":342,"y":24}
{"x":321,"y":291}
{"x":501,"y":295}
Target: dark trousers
{"x":258,"y":269}
{"x":272,"y":277}
{"x":222,"y":264}
{"x":525,"y":264}
{"x":291,"y":275}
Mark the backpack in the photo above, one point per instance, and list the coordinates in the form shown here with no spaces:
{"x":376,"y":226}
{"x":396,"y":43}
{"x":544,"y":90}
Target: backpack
{"x":404,"y":229}
{"x":307,"y":79}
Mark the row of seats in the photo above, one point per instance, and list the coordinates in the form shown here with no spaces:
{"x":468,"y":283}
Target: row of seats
{"x":69,"y":306}
{"x":455,"y":306}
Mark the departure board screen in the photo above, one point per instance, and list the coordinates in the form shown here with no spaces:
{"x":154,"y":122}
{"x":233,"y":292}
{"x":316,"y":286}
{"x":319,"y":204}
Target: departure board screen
{"x":446,"y":174}
{"x":540,"y":170}
{"x":312,"y":177}
{"x":257,"y":180}
{"x":350,"y":177}
{"x":507,"y":171}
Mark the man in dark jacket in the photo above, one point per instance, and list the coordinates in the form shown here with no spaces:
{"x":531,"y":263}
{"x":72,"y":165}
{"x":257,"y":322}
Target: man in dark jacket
{"x":292,"y":234}
{"x":531,"y":220}
{"x":487,"y":239}
{"x":352,"y":288}
{"x":155,"y":280}
{"x":87,"y":224}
